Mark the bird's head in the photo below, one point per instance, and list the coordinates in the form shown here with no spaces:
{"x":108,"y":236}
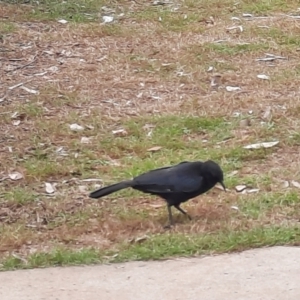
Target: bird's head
{"x":215,"y":172}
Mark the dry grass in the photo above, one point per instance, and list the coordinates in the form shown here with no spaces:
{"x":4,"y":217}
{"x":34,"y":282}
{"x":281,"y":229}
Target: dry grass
{"x":144,"y":74}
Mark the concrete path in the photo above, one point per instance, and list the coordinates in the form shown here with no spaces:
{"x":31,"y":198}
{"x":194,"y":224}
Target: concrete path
{"x":266,"y":274}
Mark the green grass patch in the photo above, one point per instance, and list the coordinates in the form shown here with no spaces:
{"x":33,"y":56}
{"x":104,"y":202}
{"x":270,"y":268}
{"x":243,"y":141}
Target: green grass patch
{"x":72,"y":11}
{"x":258,"y":205}
{"x":161,"y":247}
{"x":20,"y":195}
{"x":164,"y":246}
{"x":6,"y":28}
{"x":42,"y":169}
{"x":281,"y":36}
{"x":58,"y":257}
{"x":237,"y":49}
{"x":263,"y":7}
{"x":170,"y":20}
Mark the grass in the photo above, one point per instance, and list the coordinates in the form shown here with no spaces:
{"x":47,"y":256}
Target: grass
{"x":266,"y":7}
{"x":161,"y":247}
{"x":6,"y":28}
{"x":74,"y":11}
{"x":19,"y":196}
{"x":235,"y":49}
{"x":145,"y":74}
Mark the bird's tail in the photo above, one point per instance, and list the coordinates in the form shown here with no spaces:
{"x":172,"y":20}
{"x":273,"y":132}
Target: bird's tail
{"x":111,"y":189}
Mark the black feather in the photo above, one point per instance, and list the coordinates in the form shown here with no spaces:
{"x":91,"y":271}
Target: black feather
{"x":175,"y":184}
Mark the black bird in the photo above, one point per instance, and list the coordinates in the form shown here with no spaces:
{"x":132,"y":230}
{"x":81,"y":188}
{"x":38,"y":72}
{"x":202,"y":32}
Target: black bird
{"x":175,"y":184}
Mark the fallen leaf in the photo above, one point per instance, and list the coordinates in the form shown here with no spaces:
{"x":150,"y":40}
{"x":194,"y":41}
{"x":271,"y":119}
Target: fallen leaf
{"x":120,"y":132}
{"x":285,"y":184}
{"x":91,"y":180}
{"x":107,"y":19}
{"x":141,"y":239}
{"x":149,"y":133}
{"x":154,"y":149}
{"x":232,"y":88}
{"x":31,"y":91}
{"x":48,"y":52}
{"x":273,"y":55}
{"x":16,"y":122}
{"x":235,"y":207}
{"x":261,"y":145}
{"x":15,"y":176}
{"x":270,"y":57}
{"x":18,"y":116}
{"x":295,"y":184}
{"x":159,"y":3}
{"x":247,"y":15}
{"x":294,"y":17}
{"x":210,"y":69}
{"x":49,"y":188}
{"x":53,"y":69}
{"x":76,"y":127}
{"x":85,"y":140}
{"x":264,"y":77}
{"x":266,"y":59}
{"x":16,"y":85}
{"x":15,"y":115}
{"x":240,"y":28}
{"x":240,"y":188}
{"x":62,"y":21}
{"x":220,"y":41}
{"x":61,"y":151}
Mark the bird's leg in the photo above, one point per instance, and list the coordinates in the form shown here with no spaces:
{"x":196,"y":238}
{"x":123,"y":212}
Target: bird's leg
{"x":170,"y":217}
{"x":182,"y":211}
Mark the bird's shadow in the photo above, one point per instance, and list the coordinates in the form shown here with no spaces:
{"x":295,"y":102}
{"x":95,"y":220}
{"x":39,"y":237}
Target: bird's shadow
{"x":206,"y":214}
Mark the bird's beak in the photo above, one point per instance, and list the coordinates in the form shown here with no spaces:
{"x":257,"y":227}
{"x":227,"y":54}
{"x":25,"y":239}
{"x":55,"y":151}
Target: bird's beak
{"x":223,"y":185}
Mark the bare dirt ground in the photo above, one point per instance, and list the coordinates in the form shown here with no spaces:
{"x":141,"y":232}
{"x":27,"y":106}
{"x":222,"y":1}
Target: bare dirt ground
{"x":151,"y":73}
{"x":270,"y":273}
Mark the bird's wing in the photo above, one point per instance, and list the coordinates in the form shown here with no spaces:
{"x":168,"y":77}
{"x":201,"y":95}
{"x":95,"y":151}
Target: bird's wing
{"x":168,"y":182}
{"x":188,"y":184}
{"x":163,"y":169}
